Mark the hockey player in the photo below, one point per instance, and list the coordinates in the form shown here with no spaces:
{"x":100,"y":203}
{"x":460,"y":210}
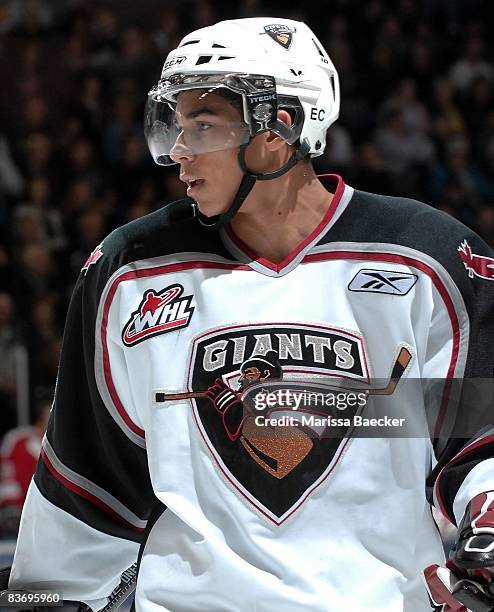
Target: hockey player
{"x":263,"y":257}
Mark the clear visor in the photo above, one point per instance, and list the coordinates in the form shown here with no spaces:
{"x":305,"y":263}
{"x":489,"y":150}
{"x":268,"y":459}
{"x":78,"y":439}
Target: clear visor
{"x":191,"y":122}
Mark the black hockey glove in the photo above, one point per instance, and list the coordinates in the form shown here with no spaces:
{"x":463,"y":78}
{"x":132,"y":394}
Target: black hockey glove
{"x":467,"y":581}
{"x":228,"y":403}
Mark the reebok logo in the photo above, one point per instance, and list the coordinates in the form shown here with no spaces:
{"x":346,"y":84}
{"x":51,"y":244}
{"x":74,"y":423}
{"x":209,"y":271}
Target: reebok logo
{"x":383,"y":281}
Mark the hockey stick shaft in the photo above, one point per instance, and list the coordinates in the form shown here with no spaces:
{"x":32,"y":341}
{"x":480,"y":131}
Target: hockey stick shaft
{"x":168,"y":397}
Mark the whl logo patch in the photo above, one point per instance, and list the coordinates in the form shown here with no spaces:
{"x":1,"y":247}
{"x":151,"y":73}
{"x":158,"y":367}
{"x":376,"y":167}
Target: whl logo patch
{"x":383,"y":281}
{"x":158,"y":313}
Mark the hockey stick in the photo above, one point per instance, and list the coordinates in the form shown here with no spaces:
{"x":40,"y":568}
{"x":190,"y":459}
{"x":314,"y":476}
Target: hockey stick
{"x":399,"y":367}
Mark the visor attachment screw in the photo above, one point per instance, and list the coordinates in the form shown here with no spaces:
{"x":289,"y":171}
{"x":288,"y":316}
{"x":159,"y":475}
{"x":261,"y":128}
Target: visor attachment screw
{"x":176,"y":79}
{"x":263,"y":111}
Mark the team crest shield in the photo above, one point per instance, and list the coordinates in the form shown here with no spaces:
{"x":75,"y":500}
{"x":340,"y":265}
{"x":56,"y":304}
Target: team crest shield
{"x":276,"y":467}
{"x":280,"y":33}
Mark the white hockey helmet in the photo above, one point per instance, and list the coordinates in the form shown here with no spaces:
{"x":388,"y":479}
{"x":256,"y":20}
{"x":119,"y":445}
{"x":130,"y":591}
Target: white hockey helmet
{"x":271,"y":63}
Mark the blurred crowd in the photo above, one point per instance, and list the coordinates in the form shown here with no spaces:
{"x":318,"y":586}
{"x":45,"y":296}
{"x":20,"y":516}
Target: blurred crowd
{"x":417,"y":120}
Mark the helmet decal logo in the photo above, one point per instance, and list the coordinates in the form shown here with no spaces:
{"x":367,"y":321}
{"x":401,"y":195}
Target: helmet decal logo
{"x":158,"y":313}
{"x":174,"y":61}
{"x":280,"y":33}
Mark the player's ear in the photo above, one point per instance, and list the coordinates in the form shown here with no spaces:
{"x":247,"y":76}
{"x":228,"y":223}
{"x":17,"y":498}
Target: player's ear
{"x":273,"y":141}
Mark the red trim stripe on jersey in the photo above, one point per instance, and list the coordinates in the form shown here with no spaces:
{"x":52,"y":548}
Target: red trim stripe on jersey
{"x":329,"y":179}
{"x":95,"y":501}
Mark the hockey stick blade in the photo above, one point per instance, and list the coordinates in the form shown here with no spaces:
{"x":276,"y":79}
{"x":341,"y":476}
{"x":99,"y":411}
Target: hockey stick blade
{"x":400,"y":365}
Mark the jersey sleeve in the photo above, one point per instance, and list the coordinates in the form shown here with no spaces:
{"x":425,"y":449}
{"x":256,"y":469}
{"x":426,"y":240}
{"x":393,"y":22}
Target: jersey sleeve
{"x":465,"y":455}
{"x":87,"y":506}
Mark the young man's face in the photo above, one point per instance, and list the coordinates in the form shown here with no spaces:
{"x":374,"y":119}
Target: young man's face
{"x":212,"y":131}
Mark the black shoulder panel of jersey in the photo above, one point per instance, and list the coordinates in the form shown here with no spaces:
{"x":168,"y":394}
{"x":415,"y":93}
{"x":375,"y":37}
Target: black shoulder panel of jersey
{"x":84,"y":443}
{"x":384,"y":219}
{"x":168,"y":230}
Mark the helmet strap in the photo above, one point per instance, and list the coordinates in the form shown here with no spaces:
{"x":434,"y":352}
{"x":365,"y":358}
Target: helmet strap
{"x":248,"y":181}
{"x":217,"y":221}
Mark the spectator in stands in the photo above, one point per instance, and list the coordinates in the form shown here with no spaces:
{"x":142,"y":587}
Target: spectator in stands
{"x":369,"y":170}
{"x":459,"y":167}
{"x":19,"y":454}
{"x":39,"y":159}
{"x":122,"y":124}
{"x":39,"y":210}
{"x":87,"y":105}
{"x":486,"y":223}
{"x":91,"y":229}
{"x":135,"y":60}
{"x":36,"y":276}
{"x":165,"y":34}
{"x":447,"y":120}
{"x":11,"y":181}
{"x":45,"y":328}
{"x":414,"y":113}
{"x":103,"y":37}
{"x":9,"y":343}
{"x":471,"y":65}
{"x":407,"y":154}
{"x":478,"y":103}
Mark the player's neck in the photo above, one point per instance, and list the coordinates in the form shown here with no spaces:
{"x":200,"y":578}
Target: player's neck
{"x":279,"y":214}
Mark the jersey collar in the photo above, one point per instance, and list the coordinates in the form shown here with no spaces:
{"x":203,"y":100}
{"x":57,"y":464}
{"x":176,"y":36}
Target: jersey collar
{"x":342,"y":195}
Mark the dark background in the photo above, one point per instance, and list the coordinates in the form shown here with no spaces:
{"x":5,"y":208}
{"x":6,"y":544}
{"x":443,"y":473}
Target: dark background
{"x":417,"y":119}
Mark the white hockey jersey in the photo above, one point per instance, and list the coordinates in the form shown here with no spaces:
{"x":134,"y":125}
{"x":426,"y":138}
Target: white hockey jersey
{"x":230,"y":518}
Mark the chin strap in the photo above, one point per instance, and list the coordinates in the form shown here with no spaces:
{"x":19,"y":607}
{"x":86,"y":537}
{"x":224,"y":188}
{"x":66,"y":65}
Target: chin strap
{"x":248,"y":181}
